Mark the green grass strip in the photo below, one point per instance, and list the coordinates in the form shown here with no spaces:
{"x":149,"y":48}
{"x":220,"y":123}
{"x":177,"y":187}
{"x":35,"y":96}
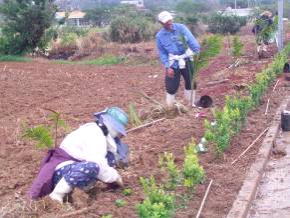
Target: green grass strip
{"x":13,"y":58}
{"x":105,"y":60}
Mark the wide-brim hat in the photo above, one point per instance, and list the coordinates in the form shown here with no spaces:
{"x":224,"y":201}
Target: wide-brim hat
{"x":115,"y":117}
{"x":116,"y":125}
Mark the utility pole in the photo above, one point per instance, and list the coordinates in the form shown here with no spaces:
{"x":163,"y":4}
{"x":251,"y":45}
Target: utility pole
{"x":235,"y":4}
{"x":280,"y":24}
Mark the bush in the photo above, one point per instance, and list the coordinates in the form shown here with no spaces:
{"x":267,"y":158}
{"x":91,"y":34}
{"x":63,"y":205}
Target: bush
{"x":131,"y":30}
{"x":24,"y":25}
{"x":157,"y":204}
{"x":223,"y":24}
{"x":190,"y":21}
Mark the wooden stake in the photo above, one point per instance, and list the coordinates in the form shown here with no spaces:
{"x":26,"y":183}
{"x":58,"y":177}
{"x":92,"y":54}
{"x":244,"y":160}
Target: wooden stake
{"x":145,"y":125}
{"x":203,"y":200}
{"x":276,"y":85}
{"x":250,"y":146}
{"x":267,"y":106}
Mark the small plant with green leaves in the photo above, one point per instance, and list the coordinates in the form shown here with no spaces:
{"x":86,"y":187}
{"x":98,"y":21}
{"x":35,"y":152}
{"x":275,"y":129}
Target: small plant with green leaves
{"x":157,"y":203}
{"x":193,"y":172}
{"x":133,"y":115}
{"x":167,"y":162}
{"x":46,"y":135}
{"x":237,"y":47}
{"x":127,"y":192}
{"x":120,"y":203}
{"x":211,"y":46}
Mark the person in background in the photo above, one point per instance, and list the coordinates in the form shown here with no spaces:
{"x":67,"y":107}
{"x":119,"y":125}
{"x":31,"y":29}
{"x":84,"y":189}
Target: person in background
{"x":86,"y":155}
{"x":176,"y":46}
{"x":265,"y":30}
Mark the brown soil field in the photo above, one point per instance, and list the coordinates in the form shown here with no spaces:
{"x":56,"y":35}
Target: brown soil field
{"x":77,"y":91}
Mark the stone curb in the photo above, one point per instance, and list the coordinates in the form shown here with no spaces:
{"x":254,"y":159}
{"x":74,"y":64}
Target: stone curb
{"x":248,"y":190}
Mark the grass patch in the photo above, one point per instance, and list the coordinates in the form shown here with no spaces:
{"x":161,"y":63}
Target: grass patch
{"x":14,"y":58}
{"x":105,"y":60}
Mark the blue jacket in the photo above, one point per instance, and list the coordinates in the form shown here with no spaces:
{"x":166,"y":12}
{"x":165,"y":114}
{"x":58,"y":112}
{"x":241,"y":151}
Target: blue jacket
{"x":170,"y":42}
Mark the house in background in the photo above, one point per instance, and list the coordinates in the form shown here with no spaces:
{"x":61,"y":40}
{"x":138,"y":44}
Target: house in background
{"x":73,"y":18}
{"x":137,"y":3}
{"x":241,"y":12}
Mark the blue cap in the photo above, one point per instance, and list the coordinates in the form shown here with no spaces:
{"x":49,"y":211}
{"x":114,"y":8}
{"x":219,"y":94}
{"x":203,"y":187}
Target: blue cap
{"x":116,"y":117}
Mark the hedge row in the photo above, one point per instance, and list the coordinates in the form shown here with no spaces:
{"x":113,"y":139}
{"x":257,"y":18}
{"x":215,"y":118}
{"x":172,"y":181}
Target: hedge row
{"x":230,"y":118}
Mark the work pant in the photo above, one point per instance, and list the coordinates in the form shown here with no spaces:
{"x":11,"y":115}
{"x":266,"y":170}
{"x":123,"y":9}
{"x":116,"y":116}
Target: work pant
{"x":78,"y":174}
{"x":172,"y":83}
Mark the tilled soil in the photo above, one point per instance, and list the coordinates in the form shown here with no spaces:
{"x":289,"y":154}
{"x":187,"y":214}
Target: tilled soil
{"x":27,"y":90}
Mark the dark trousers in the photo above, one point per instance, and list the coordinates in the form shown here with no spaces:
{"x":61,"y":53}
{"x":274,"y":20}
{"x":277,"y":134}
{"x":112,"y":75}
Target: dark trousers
{"x":172,"y":83}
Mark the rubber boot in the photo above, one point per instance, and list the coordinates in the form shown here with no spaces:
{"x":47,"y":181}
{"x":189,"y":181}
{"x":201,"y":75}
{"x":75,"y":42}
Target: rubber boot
{"x":259,"y":51}
{"x":61,"y":189}
{"x":187,"y":95}
{"x":170,"y":100}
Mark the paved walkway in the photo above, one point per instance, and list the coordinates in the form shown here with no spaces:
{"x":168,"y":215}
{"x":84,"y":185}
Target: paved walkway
{"x":273,"y":194}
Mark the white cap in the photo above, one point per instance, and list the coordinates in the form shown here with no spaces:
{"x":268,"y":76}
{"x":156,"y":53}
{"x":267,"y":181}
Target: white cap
{"x":164,"y":17}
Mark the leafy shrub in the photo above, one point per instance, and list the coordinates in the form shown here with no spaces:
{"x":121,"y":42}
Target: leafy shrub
{"x":223,"y":24}
{"x":24,"y":25}
{"x":191,"y":21}
{"x":193,"y":173}
{"x":211,"y":46}
{"x":131,"y":29}
{"x":157,"y":203}
{"x":229,"y":120}
{"x":237,"y":47}
{"x":167,"y":161}
{"x":120,"y":203}
{"x":69,"y":40}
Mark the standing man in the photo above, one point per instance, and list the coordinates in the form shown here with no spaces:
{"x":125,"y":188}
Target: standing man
{"x":176,"y":46}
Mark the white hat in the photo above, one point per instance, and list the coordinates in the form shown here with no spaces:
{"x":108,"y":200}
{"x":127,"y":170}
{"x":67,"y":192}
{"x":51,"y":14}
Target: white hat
{"x":164,"y":16}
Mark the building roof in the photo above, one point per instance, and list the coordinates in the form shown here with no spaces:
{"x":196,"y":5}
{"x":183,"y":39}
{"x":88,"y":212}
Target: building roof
{"x":71,"y":15}
{"x":238,"y":11}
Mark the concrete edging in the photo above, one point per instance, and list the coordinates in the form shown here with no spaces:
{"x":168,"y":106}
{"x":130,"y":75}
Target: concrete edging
{"x":248,"y":190}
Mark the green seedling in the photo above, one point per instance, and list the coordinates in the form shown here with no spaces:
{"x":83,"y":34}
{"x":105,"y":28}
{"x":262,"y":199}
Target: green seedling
{"x":120,"y":203}
{"x":127,"y":192}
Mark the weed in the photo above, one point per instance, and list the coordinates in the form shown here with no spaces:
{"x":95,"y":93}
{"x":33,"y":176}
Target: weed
{"x":120,"y":203}
{"x":127,"y":192}
{"x":133,"y":115}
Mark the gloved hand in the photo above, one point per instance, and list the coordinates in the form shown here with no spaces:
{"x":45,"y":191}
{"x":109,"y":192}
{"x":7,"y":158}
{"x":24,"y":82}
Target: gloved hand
{"x":119,"y":182}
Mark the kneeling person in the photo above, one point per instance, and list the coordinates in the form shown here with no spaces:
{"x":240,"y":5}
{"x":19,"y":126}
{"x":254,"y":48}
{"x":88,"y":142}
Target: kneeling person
{"x":86,"y":155}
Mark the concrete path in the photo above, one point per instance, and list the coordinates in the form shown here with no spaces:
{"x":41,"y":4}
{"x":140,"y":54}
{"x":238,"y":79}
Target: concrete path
{"x":273,"y":194}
